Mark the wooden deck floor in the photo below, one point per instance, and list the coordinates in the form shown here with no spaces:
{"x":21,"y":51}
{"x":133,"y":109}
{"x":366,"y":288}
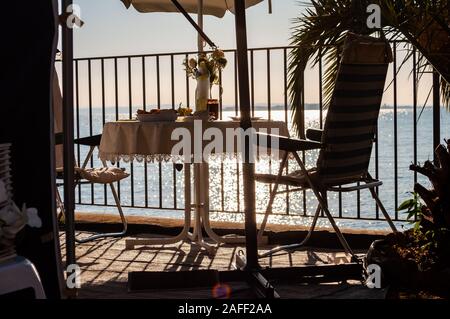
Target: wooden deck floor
{"x":105,"y":265}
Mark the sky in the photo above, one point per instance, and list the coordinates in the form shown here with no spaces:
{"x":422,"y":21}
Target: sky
{"x":110,"y":29}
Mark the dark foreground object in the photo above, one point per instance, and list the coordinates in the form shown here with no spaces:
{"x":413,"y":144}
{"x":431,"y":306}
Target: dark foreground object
{"x":261,"y":280}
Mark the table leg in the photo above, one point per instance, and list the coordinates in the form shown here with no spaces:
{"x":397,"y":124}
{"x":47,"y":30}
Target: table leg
{"x":200,"y":203}
{"x":201,"y":207}
{"x":193,"y":236}
{"x":204,"y":210}
{"x":130,"y":243}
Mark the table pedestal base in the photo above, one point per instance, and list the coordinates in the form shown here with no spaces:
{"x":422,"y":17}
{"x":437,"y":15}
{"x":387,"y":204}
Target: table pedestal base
{"x":195,"y":237}
{"x":201,"y":206}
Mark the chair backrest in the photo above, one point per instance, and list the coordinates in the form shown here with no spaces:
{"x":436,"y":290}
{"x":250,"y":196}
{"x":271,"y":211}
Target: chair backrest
{"x":351,"y":121}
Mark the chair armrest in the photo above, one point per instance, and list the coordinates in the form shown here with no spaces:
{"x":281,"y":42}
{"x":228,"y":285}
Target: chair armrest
{"x":314,"y":134}
{"x":89,"y":140}
{"x":285,"y":143}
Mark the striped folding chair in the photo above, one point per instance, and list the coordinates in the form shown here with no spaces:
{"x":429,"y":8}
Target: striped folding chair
{"x":346,"y":140}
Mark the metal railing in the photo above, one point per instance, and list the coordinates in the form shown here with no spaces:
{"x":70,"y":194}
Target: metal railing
{"x":114,"y":87}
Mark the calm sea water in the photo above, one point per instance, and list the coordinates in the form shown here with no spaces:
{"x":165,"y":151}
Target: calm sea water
{"x":231,"y":198}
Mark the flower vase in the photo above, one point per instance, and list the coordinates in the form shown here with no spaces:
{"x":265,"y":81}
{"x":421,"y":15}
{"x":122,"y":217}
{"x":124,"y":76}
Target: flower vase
{"x":202,"y":93}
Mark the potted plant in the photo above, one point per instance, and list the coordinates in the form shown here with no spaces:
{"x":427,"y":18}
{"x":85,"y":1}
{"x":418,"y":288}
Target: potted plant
{"x":419,"y":258}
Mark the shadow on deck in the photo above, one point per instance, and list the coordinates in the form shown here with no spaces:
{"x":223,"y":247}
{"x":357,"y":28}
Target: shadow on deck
{"x":105,"y":265}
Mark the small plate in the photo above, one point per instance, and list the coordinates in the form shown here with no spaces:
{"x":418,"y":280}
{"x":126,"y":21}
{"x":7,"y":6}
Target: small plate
{"x":192,"y":118}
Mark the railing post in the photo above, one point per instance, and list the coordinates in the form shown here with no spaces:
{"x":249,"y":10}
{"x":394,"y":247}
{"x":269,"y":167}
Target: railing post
{"x":436,"y":112}
{"x":68,"y":126}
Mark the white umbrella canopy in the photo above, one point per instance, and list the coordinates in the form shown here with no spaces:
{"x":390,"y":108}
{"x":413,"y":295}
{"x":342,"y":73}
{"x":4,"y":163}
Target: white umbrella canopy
{"x":216,"y":8}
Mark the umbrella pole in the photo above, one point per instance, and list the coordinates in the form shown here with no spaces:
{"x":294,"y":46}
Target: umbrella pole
{"x":192,"y":22}
{"x":200,"y":24}
{"x":248,"y":169}
{"x":249,"y":264}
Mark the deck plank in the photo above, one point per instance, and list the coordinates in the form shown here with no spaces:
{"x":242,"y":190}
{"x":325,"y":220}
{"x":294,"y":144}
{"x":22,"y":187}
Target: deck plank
{"x":105,"y":265}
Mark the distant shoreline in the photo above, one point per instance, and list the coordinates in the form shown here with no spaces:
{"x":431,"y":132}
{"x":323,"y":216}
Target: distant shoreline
{"x":312,"y":106}
{"x":258,"y":107}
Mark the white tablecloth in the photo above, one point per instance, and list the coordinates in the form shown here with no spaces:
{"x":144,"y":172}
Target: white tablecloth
{"x":151,"y":141}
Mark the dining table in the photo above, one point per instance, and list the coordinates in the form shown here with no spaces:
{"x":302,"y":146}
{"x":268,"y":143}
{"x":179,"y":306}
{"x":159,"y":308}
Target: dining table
{"x":154,"y":142}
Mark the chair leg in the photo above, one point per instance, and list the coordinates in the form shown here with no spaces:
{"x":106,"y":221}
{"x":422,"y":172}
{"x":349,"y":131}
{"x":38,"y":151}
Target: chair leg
{"x":116,"y":199}
{"x":338,"y":232}
{"x":294,"y":246}
{"x":383,"y":210}
{"x":262,"y":227}
{"x":60,"y":205}
{"x":122,"y":217}
{"x":322,"y":198}
{"x":272,"y":198}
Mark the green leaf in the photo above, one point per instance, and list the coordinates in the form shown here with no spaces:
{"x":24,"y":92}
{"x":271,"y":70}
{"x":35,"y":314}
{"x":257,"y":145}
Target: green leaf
{"x":407,"y":204}
{"x":411,"y":214}
{"x":416,"y":226}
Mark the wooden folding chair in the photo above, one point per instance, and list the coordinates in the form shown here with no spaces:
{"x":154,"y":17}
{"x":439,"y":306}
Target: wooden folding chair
{"x":84,"y":175}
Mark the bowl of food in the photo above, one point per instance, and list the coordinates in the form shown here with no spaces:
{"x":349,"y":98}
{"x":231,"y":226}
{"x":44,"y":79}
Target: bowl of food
{"x":198,"y":115}
{"x":184,"y":111}
{"x":157,"y":115}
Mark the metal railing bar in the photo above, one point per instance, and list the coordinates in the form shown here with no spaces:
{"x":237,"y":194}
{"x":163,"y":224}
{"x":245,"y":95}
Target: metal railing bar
{"x":102,"y":77}
{"x":90,"y":119}
{"x":144,"y":105}
{"x":269,"y":96}
{"x":395,"y":132}
{"x":77,"y":116}
{"x":162,"y":54}
{"x":130,"y":114}
{"x":116,"y":100}
{"x":252,"y":82}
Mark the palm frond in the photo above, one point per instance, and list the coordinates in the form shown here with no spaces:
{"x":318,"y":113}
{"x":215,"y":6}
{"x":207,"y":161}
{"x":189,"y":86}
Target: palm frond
{"x":318,"y":33}
{"x":445,"y":93}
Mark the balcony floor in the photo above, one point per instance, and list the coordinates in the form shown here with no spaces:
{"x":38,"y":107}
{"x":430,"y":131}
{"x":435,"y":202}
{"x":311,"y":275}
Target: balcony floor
{"x":105,"y":265}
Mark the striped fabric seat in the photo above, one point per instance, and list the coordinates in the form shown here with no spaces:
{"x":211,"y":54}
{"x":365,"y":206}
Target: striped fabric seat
{"x":351,"y":122}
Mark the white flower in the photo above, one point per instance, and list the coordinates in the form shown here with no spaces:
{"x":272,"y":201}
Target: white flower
{"x":33,"y":218}
{"x":218,"y":54}
{"x":193,"y":63}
